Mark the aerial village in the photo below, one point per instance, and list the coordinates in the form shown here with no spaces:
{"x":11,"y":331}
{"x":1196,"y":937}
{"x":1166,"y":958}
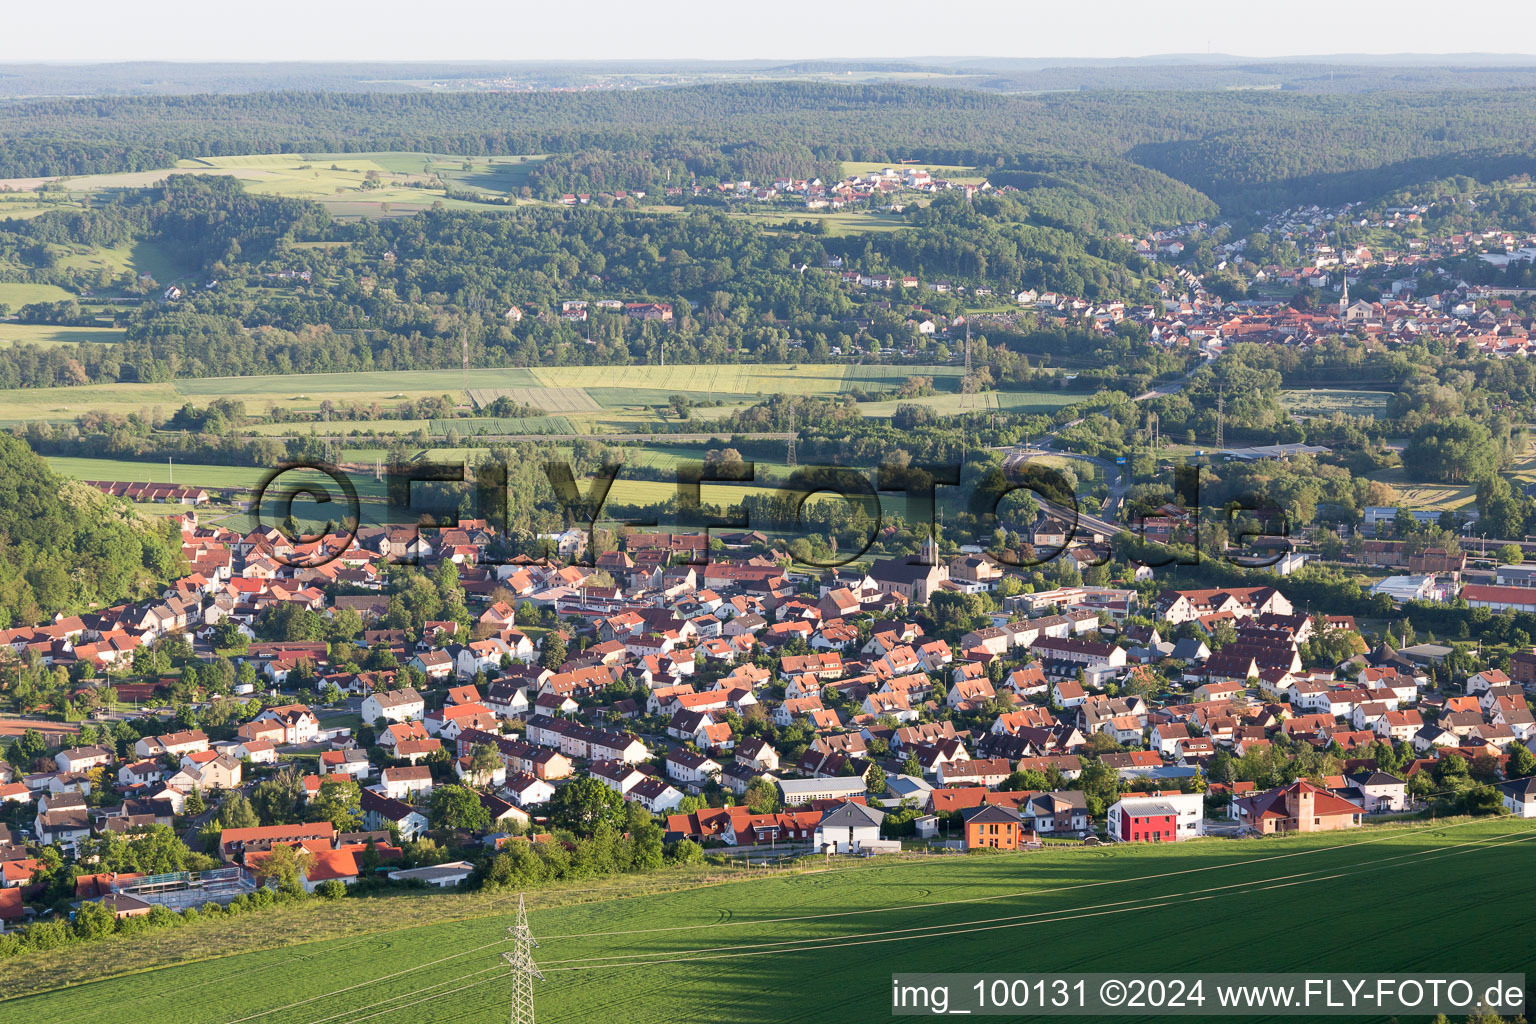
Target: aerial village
{"x":748,"y":706}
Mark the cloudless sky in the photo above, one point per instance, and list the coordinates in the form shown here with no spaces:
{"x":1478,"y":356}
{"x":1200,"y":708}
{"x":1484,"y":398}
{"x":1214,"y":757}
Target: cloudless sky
{"x":114,"y":30}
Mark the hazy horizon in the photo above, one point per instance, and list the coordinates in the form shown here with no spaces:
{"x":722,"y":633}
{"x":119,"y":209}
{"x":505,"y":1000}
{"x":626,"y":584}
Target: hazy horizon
{"x":396,"y":31}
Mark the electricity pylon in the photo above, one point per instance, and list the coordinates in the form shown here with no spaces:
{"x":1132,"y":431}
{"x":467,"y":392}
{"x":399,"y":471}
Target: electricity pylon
{"x":524,"y":970}
{"x":789,"y":451}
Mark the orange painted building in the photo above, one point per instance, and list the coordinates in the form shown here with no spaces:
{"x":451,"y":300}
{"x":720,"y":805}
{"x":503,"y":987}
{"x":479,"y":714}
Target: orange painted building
{"x":990,"y":827}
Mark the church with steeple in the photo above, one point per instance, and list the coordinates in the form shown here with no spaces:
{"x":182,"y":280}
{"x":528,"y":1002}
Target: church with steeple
{"x":915,"y":578}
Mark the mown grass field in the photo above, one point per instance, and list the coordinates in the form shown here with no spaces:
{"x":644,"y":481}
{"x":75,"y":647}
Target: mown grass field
{"x":49,"y":336}
{"x":1417,"y":495}
{"x":18,"y":293}
{"x":1324,"y":402}
{"x":983,"y":401}
{"x":814,"y":946}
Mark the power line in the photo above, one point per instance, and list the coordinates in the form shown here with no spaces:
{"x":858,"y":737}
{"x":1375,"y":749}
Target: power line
{"x":1221,"y":416}
{"x":789,"y":452}
{"x":524,"y":970}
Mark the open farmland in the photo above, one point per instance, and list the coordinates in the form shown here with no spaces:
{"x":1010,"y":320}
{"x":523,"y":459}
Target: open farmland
{"x":597,"y":398}
{"x":551,"y":400}
{"x":348,"y":184}
{"x":820,"y":945}
{"x":48,"y":335}
{"x":17,"y":294}
{"x":983,"y":401}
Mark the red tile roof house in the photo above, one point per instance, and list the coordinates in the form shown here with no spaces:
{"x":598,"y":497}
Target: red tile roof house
{"x":1299,"y":807}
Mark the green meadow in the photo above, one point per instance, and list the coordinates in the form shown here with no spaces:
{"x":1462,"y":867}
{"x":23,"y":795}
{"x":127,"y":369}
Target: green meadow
{"x":820,"y":944}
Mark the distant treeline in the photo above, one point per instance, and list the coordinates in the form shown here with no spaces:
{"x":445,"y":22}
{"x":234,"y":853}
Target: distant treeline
{"x":1243,"y":149}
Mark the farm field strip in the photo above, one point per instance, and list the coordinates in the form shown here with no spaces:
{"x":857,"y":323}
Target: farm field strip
{"x":1016,"y":920}
{"x":949,"y":929}
{"x":47,"y":334}
{"x":582,"y":391}
{"x":1055,"y":904}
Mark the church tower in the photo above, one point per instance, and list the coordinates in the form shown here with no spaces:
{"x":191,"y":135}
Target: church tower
{"x":1344,"y":296}
{"x":929,"y":552}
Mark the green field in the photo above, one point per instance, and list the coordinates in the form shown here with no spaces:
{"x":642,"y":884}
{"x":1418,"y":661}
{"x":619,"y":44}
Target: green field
{"x":17,"y":294}
{"x":815,"y":946}
{"x":46,"y":335}
{"x":243,"y":480}
{"x":188,"y":473}
{"x":983,"y":401}
{"x":1418,"y":495}
{"x":470,"y":425}
{"x":140,"y":258}
{"x":595,"y":398}
{"x":339,"y":181}
{"x":1324,"y":402}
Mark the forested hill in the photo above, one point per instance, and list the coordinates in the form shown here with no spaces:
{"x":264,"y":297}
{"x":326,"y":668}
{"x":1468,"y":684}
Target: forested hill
{"x":1240,"y":148}
{"x":65,"y":546}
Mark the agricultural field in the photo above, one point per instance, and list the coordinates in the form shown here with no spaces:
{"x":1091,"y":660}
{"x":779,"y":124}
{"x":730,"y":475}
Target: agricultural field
{"x":817,"y":944}
{"x":48,"y":335}
{"x":18,"y":293}
{"x":336,"y":180}
{"x":590,"y":399}
{"x":728,"y":381}
{"x":984,"y":401}
{"x":472,"y":425}
{"x":243,"y":480}
{"x":190,"y":474}
{"x":550,"y":399}
{"x":1324,"y":402}
{"x":25,"y":405}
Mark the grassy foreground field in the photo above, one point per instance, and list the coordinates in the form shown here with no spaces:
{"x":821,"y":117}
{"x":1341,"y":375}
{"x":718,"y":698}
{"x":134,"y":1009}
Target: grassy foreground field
{"x":821,"y":945}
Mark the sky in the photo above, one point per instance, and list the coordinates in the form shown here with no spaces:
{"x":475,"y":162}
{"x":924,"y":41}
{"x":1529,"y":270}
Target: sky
{"x":513,"y":30}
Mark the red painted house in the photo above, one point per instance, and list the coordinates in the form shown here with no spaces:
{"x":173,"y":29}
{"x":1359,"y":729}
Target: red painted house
{"x":1145,"y":821}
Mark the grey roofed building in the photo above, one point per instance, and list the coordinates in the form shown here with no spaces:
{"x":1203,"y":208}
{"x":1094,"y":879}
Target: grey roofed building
{"x":990,"y":813}
{"x":904,"y":787}
{"x":852,"y":815}
{"x":1191,"y":649}
{"x":1425,"y":654}
{"x":441,"y":875}
{"x":1374,"y":777}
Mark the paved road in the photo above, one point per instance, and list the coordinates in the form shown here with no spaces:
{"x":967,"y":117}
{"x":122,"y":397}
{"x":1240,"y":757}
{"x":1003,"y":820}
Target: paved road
{"x":1118,"y":479}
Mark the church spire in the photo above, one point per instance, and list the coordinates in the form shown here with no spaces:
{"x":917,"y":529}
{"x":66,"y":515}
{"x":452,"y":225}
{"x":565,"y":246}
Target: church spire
{"x":1344,"y":295}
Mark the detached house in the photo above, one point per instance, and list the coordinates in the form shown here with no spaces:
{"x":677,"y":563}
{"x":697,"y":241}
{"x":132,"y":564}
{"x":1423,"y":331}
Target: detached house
{"x":394,"y":706}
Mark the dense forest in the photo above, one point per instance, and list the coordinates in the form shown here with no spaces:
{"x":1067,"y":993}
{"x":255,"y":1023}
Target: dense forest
{"x":1243,"y":149}
{"x":418,"y":292}
{"x":65,"y":546}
